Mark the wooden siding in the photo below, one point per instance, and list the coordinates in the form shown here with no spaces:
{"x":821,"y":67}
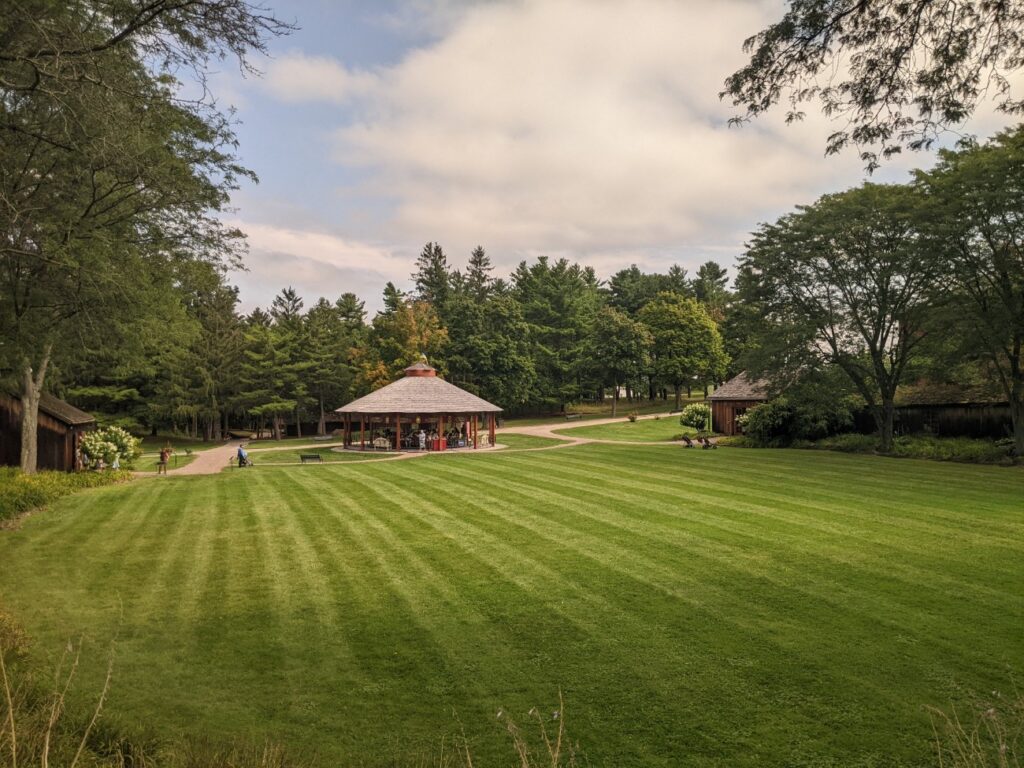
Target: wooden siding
{"x":57,"y":441}
{"x":724,"y":413}
{"x":952,"y":420}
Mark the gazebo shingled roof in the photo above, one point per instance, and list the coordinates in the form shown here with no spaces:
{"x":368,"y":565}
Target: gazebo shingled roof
{"x":420,"y":391}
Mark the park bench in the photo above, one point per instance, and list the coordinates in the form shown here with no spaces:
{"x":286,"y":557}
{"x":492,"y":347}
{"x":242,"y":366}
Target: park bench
{"x":381,"y":444}
{"x":573,"y":416}
{"x":304,"y":457}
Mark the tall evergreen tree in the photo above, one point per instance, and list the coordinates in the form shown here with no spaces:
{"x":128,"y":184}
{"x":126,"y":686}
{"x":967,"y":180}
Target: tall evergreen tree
{"x":558,"y":301}
{"x":432,"y":276}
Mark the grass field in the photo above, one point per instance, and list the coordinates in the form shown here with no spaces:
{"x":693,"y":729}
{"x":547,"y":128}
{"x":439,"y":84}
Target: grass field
{"x":695,"y":608}
{"x":601,"y":411}
{"x":147,"y":462}
{"x":327,"y":454}
{"x":519,"y":442}
{"x":643,"y":430}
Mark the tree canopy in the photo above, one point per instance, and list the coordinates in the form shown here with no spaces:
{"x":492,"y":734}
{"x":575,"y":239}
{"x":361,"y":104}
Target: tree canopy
{"x":898,"y":71}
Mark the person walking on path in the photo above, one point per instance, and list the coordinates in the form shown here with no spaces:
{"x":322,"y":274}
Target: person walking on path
{"x":161,"y":466}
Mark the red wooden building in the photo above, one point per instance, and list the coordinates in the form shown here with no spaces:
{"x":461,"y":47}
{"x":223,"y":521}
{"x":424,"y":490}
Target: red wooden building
{"x":732,"y":400}
{"x":421,"y":401}
{"x":60,"y":429}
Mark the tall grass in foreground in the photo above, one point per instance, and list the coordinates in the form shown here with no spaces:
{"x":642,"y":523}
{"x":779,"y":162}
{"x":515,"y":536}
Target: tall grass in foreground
{"x":991,"y":736}
{"x":36,"y":728}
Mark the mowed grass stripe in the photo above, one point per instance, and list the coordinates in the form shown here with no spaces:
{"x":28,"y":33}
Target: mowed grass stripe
{"x":727,"y":608}
{"x":922,"y":580}
{"x":701,"y":479}
{"x":745,"y":514}
{"x":409,"y":609}
{"x":657,"y":686}
{"x":737,"y":641}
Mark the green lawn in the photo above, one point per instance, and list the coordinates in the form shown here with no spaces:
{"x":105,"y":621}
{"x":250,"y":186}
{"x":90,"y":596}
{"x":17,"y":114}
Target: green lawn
{"x":695,"y":608}
{"x":512,"y":440}
{"x":153,"y":443}
{"x":307,"y":440}
{"x":642,"y":430}
{"x":147,"y":462}
{"x":602,"y":411}
{"x":260,"y":458}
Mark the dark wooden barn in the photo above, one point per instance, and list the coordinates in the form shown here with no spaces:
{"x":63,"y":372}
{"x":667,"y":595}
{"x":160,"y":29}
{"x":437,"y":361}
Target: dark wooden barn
{"x":60,"y":428}
{"x":732,"y":400}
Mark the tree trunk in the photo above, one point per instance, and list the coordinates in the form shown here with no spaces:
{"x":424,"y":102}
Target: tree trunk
{"x":615,"y":400}
{"x":1017,"y":419}
{"x":678,"y":393}
{"x":276,"y":426}
{"x":31,"y":391}
{"x":298,"y":424}
{"x":321,"y":428}
{"x":884,"y":417}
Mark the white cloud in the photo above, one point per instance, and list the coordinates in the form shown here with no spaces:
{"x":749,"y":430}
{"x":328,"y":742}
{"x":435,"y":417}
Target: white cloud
{"x":315,"y":263}
{"x":296,"y":77}
{"x":585,"y":128}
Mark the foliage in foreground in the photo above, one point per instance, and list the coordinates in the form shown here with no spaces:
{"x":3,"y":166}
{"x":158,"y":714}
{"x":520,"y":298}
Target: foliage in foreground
{"x":991,"y":735}
{"x":39,"y":727}
{"x":21,"y":493}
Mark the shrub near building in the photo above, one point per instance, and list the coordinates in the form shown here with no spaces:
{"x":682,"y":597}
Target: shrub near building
{"x":782,"y":421}
{"x":110,"y":444}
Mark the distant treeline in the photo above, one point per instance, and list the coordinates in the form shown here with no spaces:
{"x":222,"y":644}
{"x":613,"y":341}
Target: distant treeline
{"x":550,"y":335}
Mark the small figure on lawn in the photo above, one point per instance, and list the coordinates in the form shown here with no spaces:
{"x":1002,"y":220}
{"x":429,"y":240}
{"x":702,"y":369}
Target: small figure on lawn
{"x":243,"y":456}
{"x":161,"y":466}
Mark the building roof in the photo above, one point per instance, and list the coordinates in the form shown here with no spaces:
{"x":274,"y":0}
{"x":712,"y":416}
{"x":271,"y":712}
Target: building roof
{"x":741,"y":387}
{"x":65,"y":412}
{"x":421,"y":390}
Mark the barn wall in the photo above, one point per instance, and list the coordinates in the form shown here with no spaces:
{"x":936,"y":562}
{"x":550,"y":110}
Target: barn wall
{"x":958,"y":420}
{"x":724,"y":412}
{"x":55,"y":440}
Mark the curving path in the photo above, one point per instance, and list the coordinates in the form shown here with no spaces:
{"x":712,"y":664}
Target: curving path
{"x":213,"y":460}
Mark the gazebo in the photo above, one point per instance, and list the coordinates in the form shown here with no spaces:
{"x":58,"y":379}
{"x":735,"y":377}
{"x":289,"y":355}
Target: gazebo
{"x":420,"y":402}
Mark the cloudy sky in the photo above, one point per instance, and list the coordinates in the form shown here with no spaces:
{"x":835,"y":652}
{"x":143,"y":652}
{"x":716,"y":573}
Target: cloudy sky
{"x":590,"y":129}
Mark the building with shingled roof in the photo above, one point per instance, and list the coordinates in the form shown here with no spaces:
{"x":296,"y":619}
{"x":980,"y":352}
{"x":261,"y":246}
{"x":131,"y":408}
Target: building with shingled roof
{"x":421,"y":401}
{"x":733,"y":399}
{"x":60,"y":430}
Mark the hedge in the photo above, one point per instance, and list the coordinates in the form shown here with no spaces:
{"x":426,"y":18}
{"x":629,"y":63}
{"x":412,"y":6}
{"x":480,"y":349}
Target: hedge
{"x":21,"y":493}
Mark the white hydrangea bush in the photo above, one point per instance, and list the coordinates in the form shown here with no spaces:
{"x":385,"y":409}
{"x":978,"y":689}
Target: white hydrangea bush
{"x":110,"y":443}
{"x":696,"y":415}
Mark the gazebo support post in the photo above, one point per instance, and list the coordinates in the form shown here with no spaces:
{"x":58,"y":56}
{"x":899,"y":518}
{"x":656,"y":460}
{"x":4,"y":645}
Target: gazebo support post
{"x":440,"y":432}
{"x":475,"y":433}
{"x":398,"y":431}
{"x":490,"y":428}
{"x":362,"y":434}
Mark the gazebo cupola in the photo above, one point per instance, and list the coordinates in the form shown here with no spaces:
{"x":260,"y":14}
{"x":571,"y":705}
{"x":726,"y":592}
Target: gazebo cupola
{"x":420,"y":401}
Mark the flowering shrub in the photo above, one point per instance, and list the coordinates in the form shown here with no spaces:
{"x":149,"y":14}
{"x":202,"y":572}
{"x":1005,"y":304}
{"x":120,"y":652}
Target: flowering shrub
{"x":695,"y":415}
{"x":108,"y":444}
